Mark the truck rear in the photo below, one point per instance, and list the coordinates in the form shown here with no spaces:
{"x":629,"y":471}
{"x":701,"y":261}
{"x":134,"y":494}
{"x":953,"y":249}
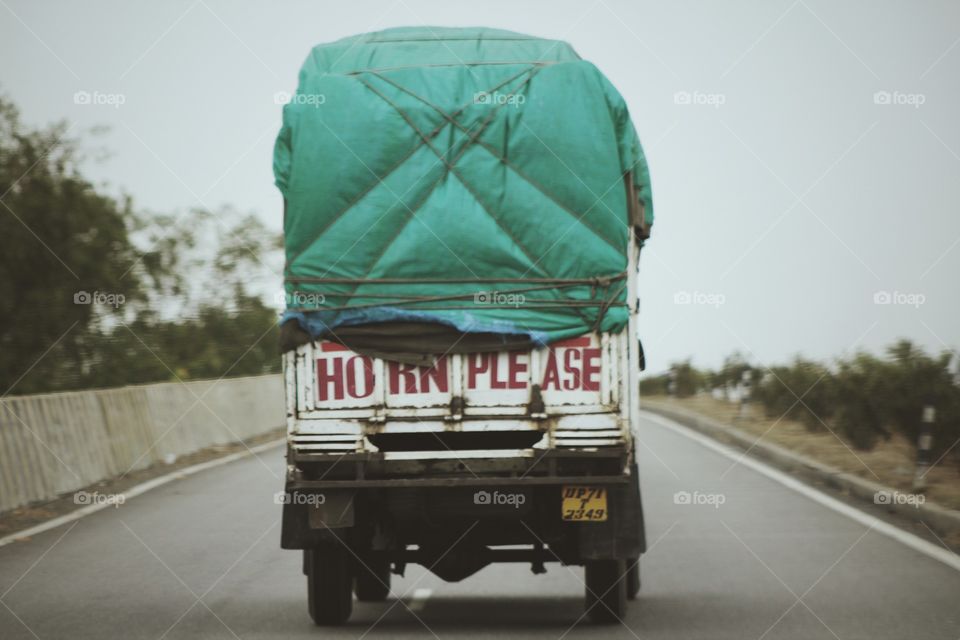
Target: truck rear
{"x":462,"y":387}
{"x":519,"y":456}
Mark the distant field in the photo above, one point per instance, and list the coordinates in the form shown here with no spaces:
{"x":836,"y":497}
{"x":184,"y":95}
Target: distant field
{"x":890,"y":462}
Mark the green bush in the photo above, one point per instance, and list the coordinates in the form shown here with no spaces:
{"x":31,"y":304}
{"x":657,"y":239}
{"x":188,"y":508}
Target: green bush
{"x":735,"y":368}
{"x":862,"y":399}
{"x":686,"y":379}
{"x":655,"y":385}
{"x":915,"y":380}
{"x":804,"y":391}
{"x":864,"y":387}
{"x":866,"y":398}
{"x":682,"y":381}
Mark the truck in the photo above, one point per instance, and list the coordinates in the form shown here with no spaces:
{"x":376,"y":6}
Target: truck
{"x":460,"y":352}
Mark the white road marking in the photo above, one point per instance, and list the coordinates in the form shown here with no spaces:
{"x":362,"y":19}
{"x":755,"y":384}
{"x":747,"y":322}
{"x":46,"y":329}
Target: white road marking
{"x":419,"y":599}
{"x":138,"y":489}
{"x":906,"y":538}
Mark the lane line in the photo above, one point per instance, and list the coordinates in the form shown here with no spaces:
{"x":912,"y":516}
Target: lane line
{"x":902,"y":536}
{"x":419,"y":599}
{"x":136,"y":490}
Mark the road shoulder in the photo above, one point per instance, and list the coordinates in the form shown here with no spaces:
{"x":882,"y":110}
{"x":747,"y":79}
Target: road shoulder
{"x":24,"y":522}
{"x":927,"y":519}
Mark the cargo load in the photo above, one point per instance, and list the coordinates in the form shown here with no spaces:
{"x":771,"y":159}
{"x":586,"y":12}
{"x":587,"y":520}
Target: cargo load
{"x":478,"y":181}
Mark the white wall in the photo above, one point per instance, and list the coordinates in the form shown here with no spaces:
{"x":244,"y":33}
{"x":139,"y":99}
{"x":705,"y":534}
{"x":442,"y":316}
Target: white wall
{"x":53,"y":444}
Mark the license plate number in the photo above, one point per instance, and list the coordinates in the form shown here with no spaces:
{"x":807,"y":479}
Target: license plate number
{"x":584,"y":504}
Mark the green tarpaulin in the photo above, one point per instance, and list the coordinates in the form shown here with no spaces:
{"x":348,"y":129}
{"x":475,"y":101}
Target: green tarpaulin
{"x":472,"y":177}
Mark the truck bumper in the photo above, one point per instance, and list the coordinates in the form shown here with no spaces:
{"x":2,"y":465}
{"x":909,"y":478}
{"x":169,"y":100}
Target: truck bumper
{"x":306,"y":471}
{"x":435,"y":512}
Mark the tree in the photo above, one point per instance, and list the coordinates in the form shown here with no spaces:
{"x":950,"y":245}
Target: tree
{"x":915,"y":381}
{"x":803,"y":391}
{"x":65,"y":259}
{"x":213,"y":325}
{"x":94,"y":294}
{"x":685,"y":378}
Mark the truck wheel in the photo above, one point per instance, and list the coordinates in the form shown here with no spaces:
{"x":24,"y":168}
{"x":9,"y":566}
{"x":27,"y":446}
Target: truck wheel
{"x":606,"y":595}
{"x":373,"y":581}
{"x":329,"y":584}
{"x":633,"y":578}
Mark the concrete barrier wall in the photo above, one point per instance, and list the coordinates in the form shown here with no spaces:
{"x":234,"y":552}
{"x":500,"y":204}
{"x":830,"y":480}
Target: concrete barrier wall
{"x":56,"y":443}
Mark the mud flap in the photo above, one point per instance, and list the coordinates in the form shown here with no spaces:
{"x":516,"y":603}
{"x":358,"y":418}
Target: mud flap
{"x":307,"y":523}
{"x":295,"y":532}
{"x":622,"y":536}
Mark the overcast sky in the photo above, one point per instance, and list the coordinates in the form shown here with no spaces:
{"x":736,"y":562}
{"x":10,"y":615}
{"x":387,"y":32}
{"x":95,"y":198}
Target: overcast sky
{"x":788,"y":191}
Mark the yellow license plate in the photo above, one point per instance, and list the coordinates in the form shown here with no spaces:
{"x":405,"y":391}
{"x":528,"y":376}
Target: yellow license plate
{"x":584,"y":504}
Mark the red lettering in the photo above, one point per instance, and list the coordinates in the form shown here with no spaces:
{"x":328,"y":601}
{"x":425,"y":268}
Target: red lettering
{"x":573,"y":382}
{"x":591,"y":369}
{"x":516,"y":370}
{"x":477,"y":363}
{"x":326,"y":377}
{"x":405,"y":371}
{"x":495,"y":381}
{"x":353,"y":376}
{"x":437,"y":373}
{"x":551,"y":377}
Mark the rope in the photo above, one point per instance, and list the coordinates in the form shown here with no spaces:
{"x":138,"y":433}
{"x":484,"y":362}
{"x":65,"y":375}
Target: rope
{"x":596,"y":284}
{"x":593,"y":280}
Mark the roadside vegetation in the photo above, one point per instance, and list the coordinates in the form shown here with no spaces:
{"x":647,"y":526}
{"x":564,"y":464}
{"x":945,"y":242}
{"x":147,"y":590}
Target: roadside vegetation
{"x":95,"y":292}
{"x":865,"y":399}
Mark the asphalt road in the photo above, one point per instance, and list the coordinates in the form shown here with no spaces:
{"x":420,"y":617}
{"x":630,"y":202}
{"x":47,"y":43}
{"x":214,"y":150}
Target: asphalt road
{"x":200,"y":558}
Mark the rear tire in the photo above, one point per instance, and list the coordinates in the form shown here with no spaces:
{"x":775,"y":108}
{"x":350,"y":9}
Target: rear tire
{"x":373,"y":581}
{"x":606,"y":594}
{"x":329,"y":584}
{"x":633,"y":578}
